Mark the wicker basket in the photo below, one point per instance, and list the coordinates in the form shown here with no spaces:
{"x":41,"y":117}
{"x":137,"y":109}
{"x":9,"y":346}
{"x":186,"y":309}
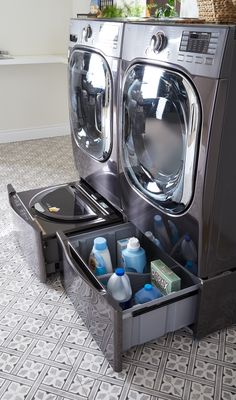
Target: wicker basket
{"x":222,"y":11}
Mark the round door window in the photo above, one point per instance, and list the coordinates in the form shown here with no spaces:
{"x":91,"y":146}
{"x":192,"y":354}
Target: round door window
{"x":160,"y":128}
{"x":90,"y":103}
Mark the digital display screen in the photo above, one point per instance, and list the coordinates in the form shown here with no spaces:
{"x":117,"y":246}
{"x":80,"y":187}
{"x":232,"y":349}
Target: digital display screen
{"x":195,"y":42}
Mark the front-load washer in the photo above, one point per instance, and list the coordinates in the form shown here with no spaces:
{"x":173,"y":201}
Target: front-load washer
{"x":177,"y":152}
{"x":93,"y":201}
{"x":94,"y":83}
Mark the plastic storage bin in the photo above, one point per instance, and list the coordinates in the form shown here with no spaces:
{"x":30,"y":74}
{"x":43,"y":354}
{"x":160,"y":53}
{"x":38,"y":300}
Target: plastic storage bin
{"x":113,"y":329}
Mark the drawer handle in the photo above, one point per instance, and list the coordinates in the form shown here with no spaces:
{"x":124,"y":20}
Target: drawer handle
{"x":74,"y":260}
{"x":166,"y":303}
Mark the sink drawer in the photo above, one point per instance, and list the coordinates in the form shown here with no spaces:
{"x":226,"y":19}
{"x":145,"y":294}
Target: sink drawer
{"x":116,"y":330}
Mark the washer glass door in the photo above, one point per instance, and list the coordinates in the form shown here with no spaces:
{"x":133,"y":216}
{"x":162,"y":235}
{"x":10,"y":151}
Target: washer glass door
{"x":161,"y":119}
{"x":90,"y":103}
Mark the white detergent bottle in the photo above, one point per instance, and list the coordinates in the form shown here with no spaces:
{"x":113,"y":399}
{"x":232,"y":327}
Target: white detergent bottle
{"x":100,"y":255}
{"x":119,"y":287}
{"x":134,"y":256}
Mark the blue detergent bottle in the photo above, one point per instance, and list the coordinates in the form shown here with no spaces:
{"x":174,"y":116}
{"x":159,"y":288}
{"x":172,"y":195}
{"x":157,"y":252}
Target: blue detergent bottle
{"x":192,"y":267}
{"x":147,"y":293}
{"x":134,"y":256}
{"x":161,"y":232}
{"x":188,"y":249}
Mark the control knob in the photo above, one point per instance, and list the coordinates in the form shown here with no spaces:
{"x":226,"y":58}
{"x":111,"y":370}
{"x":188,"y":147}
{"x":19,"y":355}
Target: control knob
{"x":87,"y":32}
{"x":158,"y":42}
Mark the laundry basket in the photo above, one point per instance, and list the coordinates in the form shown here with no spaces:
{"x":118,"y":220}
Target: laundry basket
{"x":221,"y":11}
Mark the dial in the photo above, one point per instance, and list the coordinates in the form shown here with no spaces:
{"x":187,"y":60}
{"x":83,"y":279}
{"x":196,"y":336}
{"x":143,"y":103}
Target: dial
{"x":158,"y":42}
{"x":87,"y":32}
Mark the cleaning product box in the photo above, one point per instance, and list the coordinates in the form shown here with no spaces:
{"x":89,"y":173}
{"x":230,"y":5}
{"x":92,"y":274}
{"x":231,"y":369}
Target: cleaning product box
{"x":164,"y":278}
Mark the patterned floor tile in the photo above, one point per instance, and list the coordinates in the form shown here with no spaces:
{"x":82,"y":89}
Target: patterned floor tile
{"x":201,"y":392}
{"x":32,"y":325}
{"x":228,"y":395}
{"x":229,"y":376}
{"x":56,"y":377}
{"x":134,"y":395}
{"x":43,"y":349}
{"x":177,"y":363}
{"x":172,"y":385}
{"x":208,"y":349}
{"x":118,"y":375}
{"x":64,"y":314}
{"x":82,"y":385}
{"x":205,"y":370}
{"x":67,"y":356}
{"x":183,"y":343}
{"x":16,"y":391}
{"x":91,"y":362}
{"x":20,"y":343}
{"x":7,"y":362}
{"x":11,"y":319}
{"x":107,"y":391}
{"x":30,"y":370}
{"x":150,"y":356}
{"x":42,"y":395}
{"x":77,"y":336}
{"x":144,"y":377}
{"x":45,"y":343}
{"x":3,"y":335}
{"x":54,"y":330}
{"x":230,"y":355}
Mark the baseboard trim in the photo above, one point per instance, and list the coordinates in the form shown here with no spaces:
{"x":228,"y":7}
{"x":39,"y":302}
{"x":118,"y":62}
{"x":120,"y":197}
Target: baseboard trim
{"x":16,"y":135}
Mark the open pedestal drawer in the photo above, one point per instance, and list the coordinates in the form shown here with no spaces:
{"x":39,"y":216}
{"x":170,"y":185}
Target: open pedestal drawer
{"x":116,"y":330}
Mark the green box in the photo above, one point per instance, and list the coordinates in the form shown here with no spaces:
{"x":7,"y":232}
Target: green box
{"x":164,"y":278}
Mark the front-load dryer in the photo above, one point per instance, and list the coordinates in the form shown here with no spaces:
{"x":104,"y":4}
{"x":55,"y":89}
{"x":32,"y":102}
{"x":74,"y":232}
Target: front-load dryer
{"x":94,"y":83}
{"x":177,"y":151}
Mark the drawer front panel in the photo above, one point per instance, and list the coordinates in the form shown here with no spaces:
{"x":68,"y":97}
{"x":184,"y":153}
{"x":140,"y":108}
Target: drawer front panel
{"x":94,"y":305}
{"x":28,"y":234}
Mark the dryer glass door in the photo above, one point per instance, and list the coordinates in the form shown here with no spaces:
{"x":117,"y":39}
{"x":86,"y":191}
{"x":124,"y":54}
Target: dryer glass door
{"x":160,"y":132}
{"x":90,"y":103}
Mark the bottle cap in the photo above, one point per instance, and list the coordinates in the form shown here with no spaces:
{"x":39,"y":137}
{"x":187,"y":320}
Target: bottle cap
{"x":187,"y":237}
{"x":149,"y":234}
{"x":120,"y":271}
{"x":148,"y":286}
{"x":158,"y":219}
{"x":133,"y":244}
{"x":100,"y":243}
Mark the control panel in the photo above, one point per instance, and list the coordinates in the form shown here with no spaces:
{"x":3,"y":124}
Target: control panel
{"x":199,"y":42}
{"x":102,"y":35}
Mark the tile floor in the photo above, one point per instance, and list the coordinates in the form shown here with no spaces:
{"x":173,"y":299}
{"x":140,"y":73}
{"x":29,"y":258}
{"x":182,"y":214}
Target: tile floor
{"x":46,"y":353}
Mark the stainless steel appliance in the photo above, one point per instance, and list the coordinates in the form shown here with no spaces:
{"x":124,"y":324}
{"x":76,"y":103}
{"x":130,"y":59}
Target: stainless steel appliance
{"x":94,"y":84}
{"x":93,"y":201}
{"x":176,"y":128}
{"x":178,"y":124}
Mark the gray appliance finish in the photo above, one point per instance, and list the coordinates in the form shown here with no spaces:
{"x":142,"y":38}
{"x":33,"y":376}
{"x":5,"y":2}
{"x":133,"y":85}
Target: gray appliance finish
{"x":94,"y":83}
{"x":177,"y":148}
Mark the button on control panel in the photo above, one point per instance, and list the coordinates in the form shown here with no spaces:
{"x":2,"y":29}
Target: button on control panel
{"x":199,"y":42}
{"x":203,"y":44}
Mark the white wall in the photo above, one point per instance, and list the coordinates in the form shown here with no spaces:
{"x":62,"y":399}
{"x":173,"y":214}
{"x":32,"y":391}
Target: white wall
{"x":34,"y":26}
{"x":80,"y":7}
{"x":33,"y":98}
{"x":189,"y":9}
